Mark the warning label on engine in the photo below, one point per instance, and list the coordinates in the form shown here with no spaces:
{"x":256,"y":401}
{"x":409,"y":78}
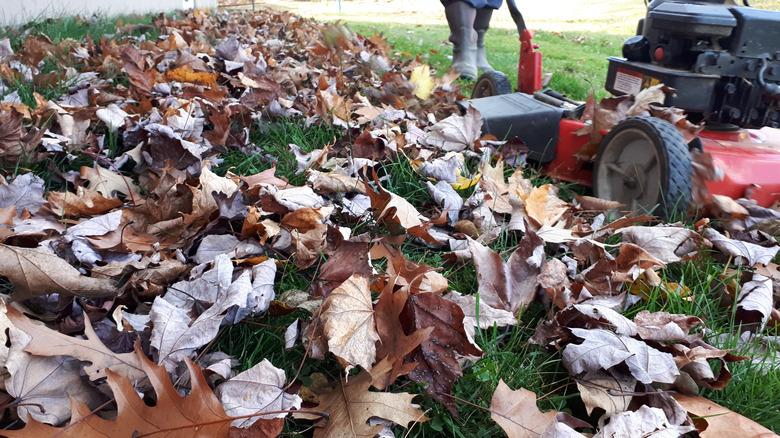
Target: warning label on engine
{"x":627,"y":81}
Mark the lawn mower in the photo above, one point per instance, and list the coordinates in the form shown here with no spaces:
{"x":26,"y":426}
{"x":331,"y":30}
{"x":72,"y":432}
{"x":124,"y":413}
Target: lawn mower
{"x":724,"y":63}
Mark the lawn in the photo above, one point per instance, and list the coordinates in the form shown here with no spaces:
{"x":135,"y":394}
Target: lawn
{"x":255,"y":137}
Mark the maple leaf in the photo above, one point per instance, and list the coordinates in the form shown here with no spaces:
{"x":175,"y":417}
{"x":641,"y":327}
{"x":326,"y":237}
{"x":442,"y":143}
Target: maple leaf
{"x":395,"y":210}
{"x":254,"y":391}
{"x":393,"y":344}
{"x":666,"y":243}
{"x":36,"y":271}
{"x":743,"y":252}
{"x":437,"y":357}
{"x":24,"y":192}
{"x":516,"y":412}
{"x":198,"y":415}
{"x":83,"y":202}
{"x":347,"y":316}
{"x":350,"y":405}
{"x":509,"y":285}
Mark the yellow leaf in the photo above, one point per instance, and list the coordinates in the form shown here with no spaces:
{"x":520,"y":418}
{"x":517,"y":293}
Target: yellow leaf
{"x":186,"y":74}
{"x":421,"y":78}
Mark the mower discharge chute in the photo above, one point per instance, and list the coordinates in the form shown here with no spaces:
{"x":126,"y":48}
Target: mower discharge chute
{"x":724,"y":63}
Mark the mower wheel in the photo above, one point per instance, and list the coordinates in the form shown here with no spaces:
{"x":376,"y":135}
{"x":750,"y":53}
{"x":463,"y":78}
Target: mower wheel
{"x":492,"y":83}
{"x":644,"y":162}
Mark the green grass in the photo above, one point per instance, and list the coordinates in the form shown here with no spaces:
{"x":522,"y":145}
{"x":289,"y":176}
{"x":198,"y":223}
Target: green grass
{"x":571,"y":75}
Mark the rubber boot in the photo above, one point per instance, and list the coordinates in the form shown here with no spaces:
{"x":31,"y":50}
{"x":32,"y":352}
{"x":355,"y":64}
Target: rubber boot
{"x":460,"y":17}
{"x":481,"y":25}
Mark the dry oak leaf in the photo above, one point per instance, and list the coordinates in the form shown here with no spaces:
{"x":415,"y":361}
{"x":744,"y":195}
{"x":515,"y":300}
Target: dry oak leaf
{"x":516,"y":412}
{"x":198,"y":415}
{"x":350,"y":405}
{"x":36,"y":271}
{"x":438,"y":357}
{"x":347,"y":316}
{"x":509,"y":285}
{"x":108,"y":183}
{"x":82,"y":203}
{"x":48,"y":342}
{"x":715,"y":421}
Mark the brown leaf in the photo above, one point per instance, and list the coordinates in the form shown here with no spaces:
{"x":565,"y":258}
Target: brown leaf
{"x":667,"y":243}
{"x":516,"y":412}
{"x":509,"y":285}
{"x":36,"y":271}
{"x":393,"y":344}
{"x":348,"y":259}
{"x":437,"y":358}
{"x":350,"y":405}
{"x":47,"y":342}
{"x":198,"y":415}
{"x":715,"y":421}
{"x":82,"y":203}
{"x":347,"y":316}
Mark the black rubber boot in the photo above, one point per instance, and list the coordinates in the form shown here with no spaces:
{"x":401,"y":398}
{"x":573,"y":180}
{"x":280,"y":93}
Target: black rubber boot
{"x":460,"y":17}
{"x":481,"y":25}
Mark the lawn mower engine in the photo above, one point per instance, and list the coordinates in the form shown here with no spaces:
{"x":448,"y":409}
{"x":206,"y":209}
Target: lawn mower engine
{"x":724,"y":63}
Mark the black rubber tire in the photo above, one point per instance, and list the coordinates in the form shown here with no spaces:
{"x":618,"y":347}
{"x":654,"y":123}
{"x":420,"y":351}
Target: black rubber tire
{"x":492,"y":83}
{"x":624,"y":158}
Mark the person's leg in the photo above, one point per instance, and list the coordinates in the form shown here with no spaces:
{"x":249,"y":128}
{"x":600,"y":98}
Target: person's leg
{"x":460,"y":17}
{"x":481,"y":25}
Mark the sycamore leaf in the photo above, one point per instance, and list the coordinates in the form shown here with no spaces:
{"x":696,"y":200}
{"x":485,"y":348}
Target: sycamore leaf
{"x":669,"y":244}
{"x":516,"y":412}
{"x":348,"y":323}
{"x":47,"y":342}
{"x":437,"y":358}
{"x":25,"y":191}
{"x":36,"y":271}
{"x":393,"y":343}
{"x":257,"y":390}
{"x":200,"y":414}
{"x":509,"y":285}
{"x":755,"y":303}
{"x":350,"y":405}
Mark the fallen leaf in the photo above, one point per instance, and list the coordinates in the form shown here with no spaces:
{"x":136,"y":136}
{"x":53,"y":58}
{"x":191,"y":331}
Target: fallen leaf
{"x":719,"y":421}
{"x":456,"y":133}
{"x":646,"y":421}
{"x":421,"y":78}
{"x":347,"y":316}
{"x":437,"y":357}
{"x":516,"y":412}
{"x":754,"y":304}
{"x":746,"y":253}
{"x":350,"y":405}
{"x":254,"y":391}
{"x":198,"y":415}
{"x":36,"y":271}
{"x":509,"y":285}
{"x":669,"y":244}
{"x":24,"y":192}
{"x":47,"y":342}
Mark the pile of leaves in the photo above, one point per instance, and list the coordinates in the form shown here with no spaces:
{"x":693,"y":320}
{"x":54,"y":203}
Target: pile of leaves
{"x":126,"y":262}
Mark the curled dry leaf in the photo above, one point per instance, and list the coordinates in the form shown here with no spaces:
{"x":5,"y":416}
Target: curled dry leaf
{"x":456,"y":133}
{"x":254,"y":391}
{"x":715,"y":421}
{"x":746,"y":253}
{"x":36,"y":272}
{"x":47,"y":342}
{"x":509,"y":285}
{"x":666,"y":243}
{"x":755,"y":303}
